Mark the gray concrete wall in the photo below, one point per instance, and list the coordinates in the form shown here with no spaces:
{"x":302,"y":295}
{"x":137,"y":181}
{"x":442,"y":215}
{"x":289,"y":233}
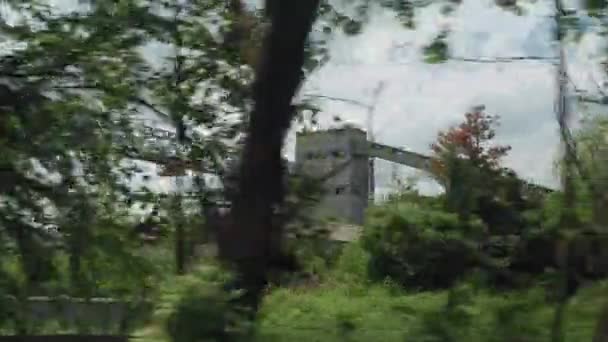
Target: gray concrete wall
{"x":96,"y":314}
{"x":317,"y":153}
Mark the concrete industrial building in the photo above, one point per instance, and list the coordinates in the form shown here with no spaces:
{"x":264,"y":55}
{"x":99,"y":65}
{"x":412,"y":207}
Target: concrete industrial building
{"x":344,"y":154}
{"x":348,"y":152}
{"x":343,"y":150}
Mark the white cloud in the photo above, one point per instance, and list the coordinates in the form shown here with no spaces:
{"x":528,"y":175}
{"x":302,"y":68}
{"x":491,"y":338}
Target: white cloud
{"x":421,"y":99}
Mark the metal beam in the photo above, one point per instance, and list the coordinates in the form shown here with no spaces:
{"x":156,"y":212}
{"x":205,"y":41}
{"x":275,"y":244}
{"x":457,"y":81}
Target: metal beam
{"x":400,"y":156}
{"x":421,"y":162}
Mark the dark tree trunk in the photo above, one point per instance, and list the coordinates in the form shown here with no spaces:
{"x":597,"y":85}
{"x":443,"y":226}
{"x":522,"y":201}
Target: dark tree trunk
{"x":251,"y":238}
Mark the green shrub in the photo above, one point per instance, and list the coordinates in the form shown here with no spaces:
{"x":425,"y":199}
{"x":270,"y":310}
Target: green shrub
{"x":197,"y":307}
{"x":452,"y":321}
{"x":341,"y":312}
{"x":462,"y":314}
{"x":352,"y":264}
{"x":522,"y":316}
{"x":419,"y":247}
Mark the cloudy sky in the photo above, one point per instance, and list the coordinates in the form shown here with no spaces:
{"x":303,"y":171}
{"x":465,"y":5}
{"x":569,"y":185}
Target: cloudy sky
{"x":420,"y":99}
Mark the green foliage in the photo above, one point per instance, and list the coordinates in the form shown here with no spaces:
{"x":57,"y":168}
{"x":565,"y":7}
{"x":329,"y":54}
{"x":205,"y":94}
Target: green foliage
{"x":473,"y":316}
{"x":554,"y":206}
{"x":517,"y":319}
{"x":451,"y":322}
{"x":592,"y":170}
{"x":336,"y":313}
{"x":62,"y":113}
{"x":406,"y":192}
{"x":463,"y":186}
{"x":339,"y":15}
{"x":437,"y":51}
{"x":351,"y":17}
{"x":418,"y":244}
{"x":68,"y":101}
{"x":419,"y":247}
{"x":197,"y":307}
{"x":198,"y":68}
{"x":595,"y":7}
{"x":461,"y":314}
{"x":351,"y":267}
{"x":468,"y":163}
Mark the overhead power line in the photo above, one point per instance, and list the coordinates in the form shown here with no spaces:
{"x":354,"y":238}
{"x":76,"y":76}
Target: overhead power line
{"x":503,"y":59}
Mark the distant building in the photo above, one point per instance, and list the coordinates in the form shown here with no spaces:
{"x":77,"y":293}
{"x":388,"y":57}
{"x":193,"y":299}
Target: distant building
{"x":340,"y":158}
{"x":343,"y":152}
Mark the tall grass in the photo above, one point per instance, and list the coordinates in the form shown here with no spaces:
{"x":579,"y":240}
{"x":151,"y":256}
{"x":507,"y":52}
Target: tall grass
{"x":346,"y":306}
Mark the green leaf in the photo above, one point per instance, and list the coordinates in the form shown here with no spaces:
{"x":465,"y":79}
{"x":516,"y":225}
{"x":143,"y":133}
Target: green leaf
{"x":438,"y":51}
{"x":595,"y":5}
{"x":352,"y":27}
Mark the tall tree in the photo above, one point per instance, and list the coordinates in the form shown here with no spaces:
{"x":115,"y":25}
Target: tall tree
{"x":59,"y":138}
{"x":473,"y":140}
{"x":201,"y":82}
{"x":467,"y":161}
{"x":252,"y":239}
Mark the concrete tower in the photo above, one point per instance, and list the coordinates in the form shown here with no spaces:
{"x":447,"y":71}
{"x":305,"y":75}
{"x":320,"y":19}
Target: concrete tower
{"x":344,"y":150}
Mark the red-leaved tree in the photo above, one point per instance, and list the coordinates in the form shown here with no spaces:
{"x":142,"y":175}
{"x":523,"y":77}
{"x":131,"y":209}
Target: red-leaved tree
{"x":467,"y":162}
{"x":472,"y":141}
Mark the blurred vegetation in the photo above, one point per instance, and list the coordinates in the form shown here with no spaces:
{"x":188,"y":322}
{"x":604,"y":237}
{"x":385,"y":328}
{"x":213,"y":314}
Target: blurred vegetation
{"x":491,"y":259}
{"x":461,"y":314}
{"x":422,"y":273}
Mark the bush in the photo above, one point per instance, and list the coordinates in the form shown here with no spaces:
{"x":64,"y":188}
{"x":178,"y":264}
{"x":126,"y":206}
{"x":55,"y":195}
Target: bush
{"x":351,"y":266}
{"x":452,"y":321}
{"x":197,"y":307}
{"x":419,"y":247}
{"x":341,"y":313}
{"x":333,"y":313}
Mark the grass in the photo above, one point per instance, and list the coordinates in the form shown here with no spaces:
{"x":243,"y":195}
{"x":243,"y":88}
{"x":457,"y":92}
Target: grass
{"x":336,"y":313}
{"x":341,"y":313}
{"x":347,"y":307}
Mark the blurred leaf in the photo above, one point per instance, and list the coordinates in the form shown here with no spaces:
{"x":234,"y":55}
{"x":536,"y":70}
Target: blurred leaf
{"x":438,"y":51}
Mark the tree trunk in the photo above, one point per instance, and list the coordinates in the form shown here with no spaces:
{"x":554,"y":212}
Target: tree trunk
{"x":250,"y":239}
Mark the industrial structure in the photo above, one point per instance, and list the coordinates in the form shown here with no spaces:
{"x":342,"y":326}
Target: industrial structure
{"x":343,"y":153}
{"x":347,"y":192}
